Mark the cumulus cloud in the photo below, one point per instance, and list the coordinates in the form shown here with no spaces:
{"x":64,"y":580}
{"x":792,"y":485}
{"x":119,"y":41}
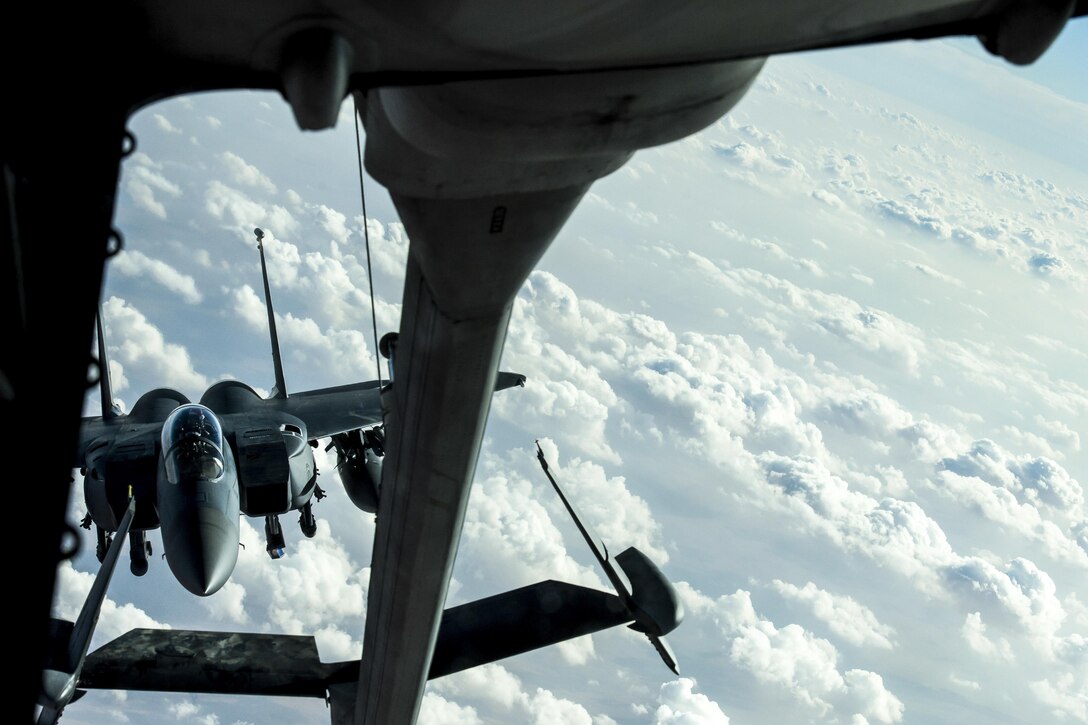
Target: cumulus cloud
{"x":510,"y":535}
{"x":1059,"y":433}
{"x":136,"y":264}
{"x":246,"y":174}
{"x":874,"y":331}
{"x":546,"y":708}
{"x":494,"y":685}
{"x":343,"y":355}
{"x":144,"y":181}
{"x":241,"y":213}
{"x":142,"y":348}
{"x":826,"y":197}
{"x":1001,"y":506}
{"x":755,"y":158}
{"x":1035,"y":480}
{"x":1020,"y":595}
{"x":619,"y":516}
{"x":227,"y":604}
{"x":437,"y":710}
{"x":183,"y":709}
{"x":1066,"y":695}
{"x":928,"y":271}
{"x":964,"y":683}
{"x":899,"y":534}
{"x":679,"y":704}
{"x":795,"y":660}
{"x":561,"y":384}
{"x":491,"y":683}
{"x":388,"y":246}
{"x":847,"y":618}
{"x":863,"y":412}
{"x":318,"y":588}
{"x":164,"y":124}
{"x":115,"y":619}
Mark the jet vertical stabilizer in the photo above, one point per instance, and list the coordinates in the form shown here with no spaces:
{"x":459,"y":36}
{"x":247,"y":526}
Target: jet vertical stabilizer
{"x":110,"y":409}
{"x":280,"y":389}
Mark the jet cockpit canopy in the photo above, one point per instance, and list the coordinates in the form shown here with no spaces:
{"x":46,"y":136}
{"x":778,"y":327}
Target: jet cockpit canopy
{"x":192,"y":444}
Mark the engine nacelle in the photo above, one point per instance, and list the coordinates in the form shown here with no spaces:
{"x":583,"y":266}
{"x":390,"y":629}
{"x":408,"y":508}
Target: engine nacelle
{"x":359,"y":455}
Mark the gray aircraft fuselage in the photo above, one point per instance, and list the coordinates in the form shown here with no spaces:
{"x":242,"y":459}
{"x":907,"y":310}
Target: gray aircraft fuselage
{"x":259,"y":464}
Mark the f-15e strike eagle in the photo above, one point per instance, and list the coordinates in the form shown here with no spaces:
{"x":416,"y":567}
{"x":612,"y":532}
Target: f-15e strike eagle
{"x":192,"y":468}
{"x":487,"y":123}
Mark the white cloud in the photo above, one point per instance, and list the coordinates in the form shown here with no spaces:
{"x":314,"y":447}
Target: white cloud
{"x":974,"y":633}
{"x":679,"y":704}
{"x":862,"y":411}
{"x":964,"y":683}
{"x":866,"y":690}
{"x":935,"y":274}
{"x":1038,"y":481}
{"x":897,"y":533}
{"x":999,"y":505}
{"x":388,"y":246}
{"x":872,"y":330}
{"x":509,"y":537}
{"x":795,"y":660}
{"x":757,"y":159}
{"x":142,"y":348}
{"x":227,"y":604}
{"x":490,"y":682}
{"x":621,"y":518}
{"x":1021,"y":595}
{"x":164,"y":124}
{"x":826,"y":197}
{"x":494,"y":685}
{"x":1059,"y":433}
{"x":1067,"y":695}
{"x":577,"y":651}
{"x":545,"y":708}
{"x":135,"y":264}
{"x":343,"y":355}
{"x":437,"y":710}
{"x":143,"y":181}
{"x":183,"y":709}
{"x":317,"y":588}
{"x":335,"y":224}
{"x":114,"y":619}
{"x":847,"y":618}
{"x":242,"y":172}
{"x":242,"y":213}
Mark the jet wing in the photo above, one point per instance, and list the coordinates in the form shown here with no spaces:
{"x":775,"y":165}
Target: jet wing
{"x":328,"y":411}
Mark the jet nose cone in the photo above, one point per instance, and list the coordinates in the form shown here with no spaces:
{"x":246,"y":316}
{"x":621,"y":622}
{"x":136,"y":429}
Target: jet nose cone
{"x":203,"y":554}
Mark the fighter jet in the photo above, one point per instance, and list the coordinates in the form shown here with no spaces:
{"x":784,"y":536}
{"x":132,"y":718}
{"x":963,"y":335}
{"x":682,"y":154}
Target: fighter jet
{"x":193,"y":468}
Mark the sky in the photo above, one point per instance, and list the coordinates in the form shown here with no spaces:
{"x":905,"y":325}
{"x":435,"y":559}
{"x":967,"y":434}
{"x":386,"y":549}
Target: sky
{"x":824,"y":362}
